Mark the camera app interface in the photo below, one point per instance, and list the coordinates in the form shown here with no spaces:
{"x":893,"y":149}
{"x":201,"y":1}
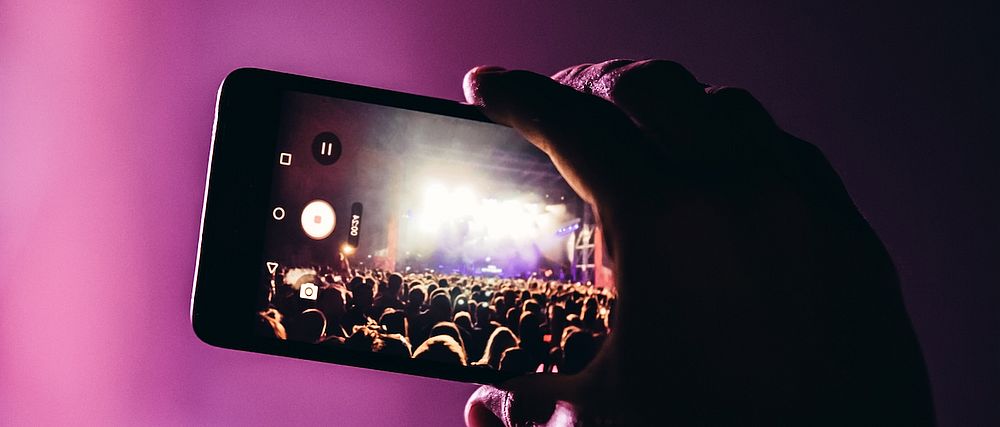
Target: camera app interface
{"x":428,"y":237}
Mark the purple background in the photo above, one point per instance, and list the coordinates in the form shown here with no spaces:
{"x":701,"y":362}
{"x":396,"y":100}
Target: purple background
{"x":105,"y":118}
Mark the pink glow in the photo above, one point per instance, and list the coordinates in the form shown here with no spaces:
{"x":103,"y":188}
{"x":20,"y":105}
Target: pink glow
{"x":110,"y":106}
{"x":106,"y":112}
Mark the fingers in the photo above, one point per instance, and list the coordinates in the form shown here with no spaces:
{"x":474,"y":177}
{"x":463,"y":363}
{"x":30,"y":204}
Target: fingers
{"x":595,"y":79}
{"x":665,"y":97}
{"x":569,"y":72}
{"x":746,"y":136}
{"x":592,"y":143}
{"x":658,"y":95}
{"x":738,"y":110}
{"x":661,"y":96}
{"x":528,"y":400}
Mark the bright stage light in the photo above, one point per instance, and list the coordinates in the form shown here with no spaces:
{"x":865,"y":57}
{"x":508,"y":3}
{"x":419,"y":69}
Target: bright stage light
{"x":450,"y":219}
{"x":347,"y":249}
{"x":434,"y":190}
{"x":488,"y":218}
{"x":556,"y":209}
{"x":464,"y":202}
{"x":442,"y":206}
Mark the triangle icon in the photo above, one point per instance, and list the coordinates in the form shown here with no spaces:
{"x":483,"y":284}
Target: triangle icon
{"x":272,"y":267}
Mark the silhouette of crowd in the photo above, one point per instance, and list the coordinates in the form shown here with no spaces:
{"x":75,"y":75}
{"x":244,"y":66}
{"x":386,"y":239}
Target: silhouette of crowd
{"x":516,"y":325}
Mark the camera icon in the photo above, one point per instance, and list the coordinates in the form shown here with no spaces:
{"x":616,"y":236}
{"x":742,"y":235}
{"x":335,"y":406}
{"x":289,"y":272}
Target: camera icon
{"x":308,"y":291}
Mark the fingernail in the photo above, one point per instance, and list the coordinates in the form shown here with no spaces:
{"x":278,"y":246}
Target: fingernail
{"x":473,"y":79}
{"x":488,"y":69}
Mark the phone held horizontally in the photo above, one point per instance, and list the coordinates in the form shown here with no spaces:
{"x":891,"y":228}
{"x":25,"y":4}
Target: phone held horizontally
{"x":391,"y":231}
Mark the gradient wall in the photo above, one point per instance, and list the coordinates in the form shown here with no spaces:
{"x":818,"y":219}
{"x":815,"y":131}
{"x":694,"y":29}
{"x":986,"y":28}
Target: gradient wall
{"x":106,"y":110}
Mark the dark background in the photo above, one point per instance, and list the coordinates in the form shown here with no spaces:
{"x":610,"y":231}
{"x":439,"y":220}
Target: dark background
{"x":106,"y":111}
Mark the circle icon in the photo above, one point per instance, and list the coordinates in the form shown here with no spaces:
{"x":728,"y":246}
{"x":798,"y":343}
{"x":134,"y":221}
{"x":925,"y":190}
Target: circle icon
{"x":318,"y":220}
{"x":326,"y":148}
{"x":278,"y":213}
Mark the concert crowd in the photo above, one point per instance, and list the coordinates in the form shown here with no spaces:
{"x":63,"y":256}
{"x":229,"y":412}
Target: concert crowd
{"x":515,"y":324}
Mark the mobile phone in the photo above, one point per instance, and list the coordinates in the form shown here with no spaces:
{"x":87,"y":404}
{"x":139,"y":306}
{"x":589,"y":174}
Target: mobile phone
{"x":354,"y":225}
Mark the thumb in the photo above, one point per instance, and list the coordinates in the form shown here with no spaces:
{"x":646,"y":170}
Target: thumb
{"x":537,"y":399}
{"x":592,"y":142}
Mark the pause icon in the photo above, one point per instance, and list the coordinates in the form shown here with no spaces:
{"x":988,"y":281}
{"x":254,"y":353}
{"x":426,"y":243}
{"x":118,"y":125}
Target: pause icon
{"x":326,"y":148}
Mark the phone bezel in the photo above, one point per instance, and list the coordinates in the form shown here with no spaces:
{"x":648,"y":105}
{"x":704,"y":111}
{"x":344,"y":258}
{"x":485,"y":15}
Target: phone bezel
{"x":231,"y":242}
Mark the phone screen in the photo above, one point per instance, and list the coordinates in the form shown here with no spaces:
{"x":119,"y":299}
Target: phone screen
{"x":422,"y":236}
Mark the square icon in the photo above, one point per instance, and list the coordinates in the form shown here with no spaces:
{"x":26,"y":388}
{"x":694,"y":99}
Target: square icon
{"x":285,"y":159}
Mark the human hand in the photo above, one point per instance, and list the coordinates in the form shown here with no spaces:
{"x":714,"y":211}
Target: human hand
{"x":751,"y":290}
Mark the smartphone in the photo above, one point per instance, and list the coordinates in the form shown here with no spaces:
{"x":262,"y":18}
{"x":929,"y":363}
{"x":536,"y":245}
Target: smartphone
{"x":379,"y":229}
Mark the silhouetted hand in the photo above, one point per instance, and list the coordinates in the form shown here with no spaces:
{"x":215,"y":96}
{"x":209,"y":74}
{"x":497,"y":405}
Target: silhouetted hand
{"x":751,"y":290}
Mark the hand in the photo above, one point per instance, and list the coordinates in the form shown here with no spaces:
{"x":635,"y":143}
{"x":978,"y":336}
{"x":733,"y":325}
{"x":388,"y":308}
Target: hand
{"x":751,"y":290}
